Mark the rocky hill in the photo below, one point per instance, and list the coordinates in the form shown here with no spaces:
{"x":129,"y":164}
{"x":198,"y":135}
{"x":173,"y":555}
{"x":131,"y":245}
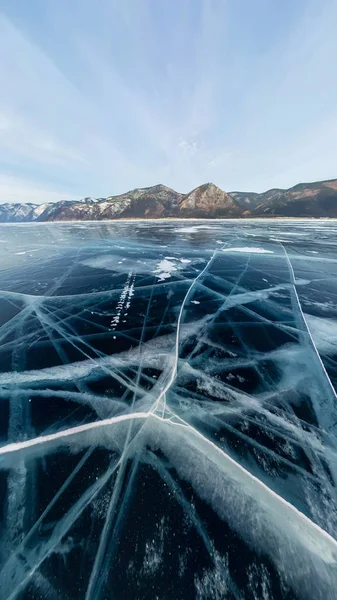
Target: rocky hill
{"x":206,"y":201}
{"x":303,"y":200}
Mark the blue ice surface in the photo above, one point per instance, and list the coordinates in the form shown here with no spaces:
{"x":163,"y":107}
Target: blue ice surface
{"x":168,"y":410}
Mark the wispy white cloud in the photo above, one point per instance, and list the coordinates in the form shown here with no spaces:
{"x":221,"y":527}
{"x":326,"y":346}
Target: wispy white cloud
{"x":221,"y":160}
{"x":21,"y":140}
{"x":188,"y":147}
{"x":14,"y":189}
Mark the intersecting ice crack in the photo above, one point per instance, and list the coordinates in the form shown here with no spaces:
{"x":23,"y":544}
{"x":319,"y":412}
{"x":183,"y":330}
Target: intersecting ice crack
{"x":160,"y":403}
{"x":207,"y":383}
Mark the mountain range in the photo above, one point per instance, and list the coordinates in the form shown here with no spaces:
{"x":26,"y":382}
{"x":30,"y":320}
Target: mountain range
{"x":317,"y":199}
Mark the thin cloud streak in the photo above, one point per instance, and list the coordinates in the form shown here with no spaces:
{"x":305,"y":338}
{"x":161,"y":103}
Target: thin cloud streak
{"x":13,"y":189}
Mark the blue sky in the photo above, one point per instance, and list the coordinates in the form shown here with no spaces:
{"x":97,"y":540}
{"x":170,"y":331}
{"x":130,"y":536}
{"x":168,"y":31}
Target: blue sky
{"x":99,"y":98}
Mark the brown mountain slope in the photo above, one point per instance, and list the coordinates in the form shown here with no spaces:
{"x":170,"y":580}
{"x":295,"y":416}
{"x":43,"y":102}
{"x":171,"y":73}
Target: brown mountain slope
{"x":318,"y":199}
{"x":152,"y":202}
{"x":208,"y":200}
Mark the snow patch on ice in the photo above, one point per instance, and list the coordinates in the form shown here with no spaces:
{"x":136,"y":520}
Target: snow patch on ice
{"x":124,"y":301}
{"x":164,"y":269}
{"x":249,"y":250}
{"x":193,"y":228}
{"x":324,"y":333}
{"x":300,"y":281}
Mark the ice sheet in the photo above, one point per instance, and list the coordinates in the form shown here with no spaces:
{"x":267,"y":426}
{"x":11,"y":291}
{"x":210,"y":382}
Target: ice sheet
{"x":169,"y":410}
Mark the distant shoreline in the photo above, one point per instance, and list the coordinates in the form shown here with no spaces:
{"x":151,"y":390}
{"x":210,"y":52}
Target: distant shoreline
{"x":173,"y":219}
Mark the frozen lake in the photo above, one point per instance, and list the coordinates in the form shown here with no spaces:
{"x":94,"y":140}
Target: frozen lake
{"x":168,"y":410}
